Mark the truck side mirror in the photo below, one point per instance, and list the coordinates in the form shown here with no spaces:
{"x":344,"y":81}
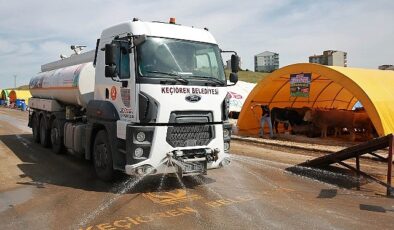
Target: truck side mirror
{"x":110,"y":54}
{"x":233,"y":78}
{"x":110,"y":71}
{"x":234,"y":64}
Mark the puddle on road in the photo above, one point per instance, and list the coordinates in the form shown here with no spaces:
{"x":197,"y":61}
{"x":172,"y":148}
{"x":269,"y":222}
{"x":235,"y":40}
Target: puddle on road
{"x":261,"y":162}
{"x":121,"y":189}
{"x":218,"y":195}
{"x":327,"y":177}
{"x":187,"y":203}
{"x":15,"y":197}
{"x":189,"y":200}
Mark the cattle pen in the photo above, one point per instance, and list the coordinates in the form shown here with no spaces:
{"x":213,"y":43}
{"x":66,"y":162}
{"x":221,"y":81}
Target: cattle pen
{"x":330,"y":88}
{"x":320,"y":101}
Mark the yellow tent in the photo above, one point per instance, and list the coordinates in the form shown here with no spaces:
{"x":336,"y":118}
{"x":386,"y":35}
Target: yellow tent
{"x":20,"y":94}
{"x":331,"y":87}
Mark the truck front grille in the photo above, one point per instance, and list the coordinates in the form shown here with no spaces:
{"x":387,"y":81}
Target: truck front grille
{"x":190,"y":129}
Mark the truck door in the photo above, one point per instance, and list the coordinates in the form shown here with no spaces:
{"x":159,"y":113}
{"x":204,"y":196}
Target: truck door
{"x":122,"y":89}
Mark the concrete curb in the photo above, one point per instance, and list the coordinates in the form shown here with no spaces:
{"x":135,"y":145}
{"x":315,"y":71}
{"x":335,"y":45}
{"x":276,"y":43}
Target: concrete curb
{"x":282,"y":143}
{"x":304,"y":146}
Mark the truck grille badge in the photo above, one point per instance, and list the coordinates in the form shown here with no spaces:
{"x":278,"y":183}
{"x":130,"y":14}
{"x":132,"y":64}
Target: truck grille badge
{"x":193,"y":98}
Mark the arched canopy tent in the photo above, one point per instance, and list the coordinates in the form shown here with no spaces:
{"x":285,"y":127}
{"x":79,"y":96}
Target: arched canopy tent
{"x":19,"y":94}
{"x":4,"y":94}
{"x":238,"y":94}
{"x":330,"y":87}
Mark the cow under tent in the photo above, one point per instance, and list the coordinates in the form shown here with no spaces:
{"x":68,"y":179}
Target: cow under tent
{"x":316,"y":87}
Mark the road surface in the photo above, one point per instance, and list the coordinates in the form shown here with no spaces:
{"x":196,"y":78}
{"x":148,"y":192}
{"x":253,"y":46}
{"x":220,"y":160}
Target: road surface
{"x":42,"y":190}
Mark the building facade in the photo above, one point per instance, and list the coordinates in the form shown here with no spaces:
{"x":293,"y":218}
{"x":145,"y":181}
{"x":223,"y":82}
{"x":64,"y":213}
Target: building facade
{"x":266,"y":62}
{"x":330,"y":58}
{"x":386,"y":67}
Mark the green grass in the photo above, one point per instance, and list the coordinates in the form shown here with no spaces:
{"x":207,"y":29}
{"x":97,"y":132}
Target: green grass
{"x":23,"y":87}
{"x":249,"y":76}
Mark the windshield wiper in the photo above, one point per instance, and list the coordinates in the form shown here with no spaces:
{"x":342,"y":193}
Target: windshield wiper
{"x":176,"y":76}
{"x":212,"y":80}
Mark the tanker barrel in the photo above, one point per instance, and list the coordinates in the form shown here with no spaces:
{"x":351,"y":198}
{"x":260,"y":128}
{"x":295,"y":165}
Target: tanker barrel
{"x":72,"y":85}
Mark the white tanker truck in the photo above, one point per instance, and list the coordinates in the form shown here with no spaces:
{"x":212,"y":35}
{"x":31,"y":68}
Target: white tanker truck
{"x":150,"y":99}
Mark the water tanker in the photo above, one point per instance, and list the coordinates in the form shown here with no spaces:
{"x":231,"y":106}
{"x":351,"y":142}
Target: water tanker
{"x":150,"y":99}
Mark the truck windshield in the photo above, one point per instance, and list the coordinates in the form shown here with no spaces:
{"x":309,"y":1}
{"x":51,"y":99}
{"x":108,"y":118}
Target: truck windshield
{"x":173,"y":58}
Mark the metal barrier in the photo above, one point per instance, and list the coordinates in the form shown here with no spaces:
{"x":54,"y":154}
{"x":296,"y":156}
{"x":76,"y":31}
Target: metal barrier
{"x":357,"y":151}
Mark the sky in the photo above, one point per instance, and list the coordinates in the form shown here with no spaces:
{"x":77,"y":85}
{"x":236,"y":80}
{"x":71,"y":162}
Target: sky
{"x":33,"y":33}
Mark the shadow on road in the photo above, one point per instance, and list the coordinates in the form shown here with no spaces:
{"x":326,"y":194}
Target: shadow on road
{"x":44,"y":167}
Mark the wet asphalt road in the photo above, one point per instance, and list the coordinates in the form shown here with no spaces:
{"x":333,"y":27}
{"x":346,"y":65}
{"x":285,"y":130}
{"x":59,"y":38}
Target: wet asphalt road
{"x":42,"y":190}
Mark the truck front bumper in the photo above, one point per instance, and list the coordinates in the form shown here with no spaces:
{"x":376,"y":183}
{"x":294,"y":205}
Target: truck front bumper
{"x":152,"y":155}
{"x":181,"y":162}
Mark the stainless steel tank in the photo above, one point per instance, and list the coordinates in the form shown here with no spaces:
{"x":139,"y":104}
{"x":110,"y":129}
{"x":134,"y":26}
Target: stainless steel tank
{"x":69,"y":85}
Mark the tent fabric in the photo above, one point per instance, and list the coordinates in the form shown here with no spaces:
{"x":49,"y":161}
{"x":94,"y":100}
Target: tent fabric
{"x":4,"y":94}
{"x":238,"y":94}
{"x":331,"y":87}
{"x":19,"y":94}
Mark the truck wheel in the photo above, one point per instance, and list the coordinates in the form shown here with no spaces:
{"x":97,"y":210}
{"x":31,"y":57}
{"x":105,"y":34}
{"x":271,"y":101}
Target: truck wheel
{"x":56,"y":136}
{"x":102,"y":157}
{"x":36,"y":128}
{"x":44,"y":132}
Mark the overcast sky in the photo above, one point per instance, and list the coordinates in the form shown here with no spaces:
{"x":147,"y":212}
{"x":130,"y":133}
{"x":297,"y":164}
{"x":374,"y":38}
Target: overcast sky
{"x":36,"y":32}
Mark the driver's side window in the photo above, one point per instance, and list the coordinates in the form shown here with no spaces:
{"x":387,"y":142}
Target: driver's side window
{"x":124,"y":62}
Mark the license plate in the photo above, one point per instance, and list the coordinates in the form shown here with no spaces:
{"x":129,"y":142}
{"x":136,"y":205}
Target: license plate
{"x":194,"y":167}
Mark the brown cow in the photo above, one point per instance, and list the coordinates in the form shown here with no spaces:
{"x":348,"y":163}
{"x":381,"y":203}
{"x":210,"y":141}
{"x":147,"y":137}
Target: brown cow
{"x":339,"y":119}
{"x":361,"y":122}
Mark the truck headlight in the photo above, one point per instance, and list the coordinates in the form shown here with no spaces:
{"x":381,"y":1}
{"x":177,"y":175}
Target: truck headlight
{"x":140,"y":136}
{"x":145,"y":170}
{"x":226,"y":133}
{"x":226,"y":161}
{"x":226,"y":107}
{"x":138,"y":152}
{"x":226,"y":146}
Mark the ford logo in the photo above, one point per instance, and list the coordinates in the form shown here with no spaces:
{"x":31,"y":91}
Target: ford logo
{"x":193,"y":98}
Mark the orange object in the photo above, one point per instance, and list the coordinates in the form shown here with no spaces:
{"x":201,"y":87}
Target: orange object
{"x":331,"y":87}
{"x":113,"y":93}
{"x":172,"y":20}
